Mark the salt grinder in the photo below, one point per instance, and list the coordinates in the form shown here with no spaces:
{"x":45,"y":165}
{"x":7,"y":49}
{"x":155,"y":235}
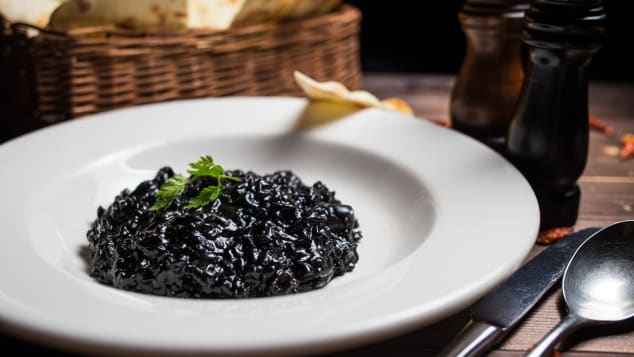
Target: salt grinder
{"x":548,"y":136}
{"x":489,"y":81}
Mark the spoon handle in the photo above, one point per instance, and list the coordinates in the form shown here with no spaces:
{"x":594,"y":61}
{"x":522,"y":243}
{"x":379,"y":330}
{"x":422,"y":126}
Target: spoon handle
{"x":568,"y":325}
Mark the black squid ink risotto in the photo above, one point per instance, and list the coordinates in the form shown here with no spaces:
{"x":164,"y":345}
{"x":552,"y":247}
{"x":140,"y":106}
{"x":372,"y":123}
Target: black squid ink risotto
{"x":217,"y":234}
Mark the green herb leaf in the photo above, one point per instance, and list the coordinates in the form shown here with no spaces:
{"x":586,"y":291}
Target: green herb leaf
{"x":232,"y":178}
{"x":168,"y":191}
{"x":205,"y":167}
{"x":205,"y":196}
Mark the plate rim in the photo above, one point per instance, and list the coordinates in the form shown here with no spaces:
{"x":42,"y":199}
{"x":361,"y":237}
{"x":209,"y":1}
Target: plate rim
{"x":401,"y":324}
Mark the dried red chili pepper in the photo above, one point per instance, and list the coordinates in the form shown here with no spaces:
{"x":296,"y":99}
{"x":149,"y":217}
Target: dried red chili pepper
{"x":600,"y":125}
{"x":440,"y":121}
{"x":550,"y":236}
{"x":627,"y":148}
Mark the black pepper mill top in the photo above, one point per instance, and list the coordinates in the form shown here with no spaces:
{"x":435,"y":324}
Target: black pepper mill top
{"x":548,"y":137}
{"x":491,"y":74}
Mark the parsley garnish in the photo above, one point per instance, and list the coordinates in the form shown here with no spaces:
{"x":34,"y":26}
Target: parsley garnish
{"x":204,"y":167}
{"x":205,"y":196}
{"x":168,"y":192}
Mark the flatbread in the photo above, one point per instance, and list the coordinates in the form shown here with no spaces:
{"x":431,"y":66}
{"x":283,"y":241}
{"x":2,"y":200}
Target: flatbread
{"x":301,"y":9}
{"x":337,"y":92}
{"x":32,"y":12}
{"x":182,"y":14}
{"x":133,"y":14}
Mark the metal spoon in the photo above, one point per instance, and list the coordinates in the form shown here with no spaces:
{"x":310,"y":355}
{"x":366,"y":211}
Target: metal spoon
{"x":598,"y":284}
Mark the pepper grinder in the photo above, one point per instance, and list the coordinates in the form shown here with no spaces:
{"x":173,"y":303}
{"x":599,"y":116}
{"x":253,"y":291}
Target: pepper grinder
{"x":548,"y":136}
{"x":490,"y":78}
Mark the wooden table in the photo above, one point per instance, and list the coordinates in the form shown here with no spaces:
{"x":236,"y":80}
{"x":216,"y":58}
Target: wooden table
{"x":607,"y":196}
{"x":607,"y":187}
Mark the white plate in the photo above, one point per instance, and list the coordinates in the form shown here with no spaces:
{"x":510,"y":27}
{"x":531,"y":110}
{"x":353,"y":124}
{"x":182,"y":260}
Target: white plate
{"x":444,"y":219}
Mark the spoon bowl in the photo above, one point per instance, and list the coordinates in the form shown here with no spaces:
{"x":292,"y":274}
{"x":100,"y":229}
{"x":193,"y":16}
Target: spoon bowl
{"x":598,"y":284}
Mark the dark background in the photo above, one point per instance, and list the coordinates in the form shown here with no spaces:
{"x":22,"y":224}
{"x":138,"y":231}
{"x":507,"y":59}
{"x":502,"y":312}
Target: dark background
{"x":425,"y":36}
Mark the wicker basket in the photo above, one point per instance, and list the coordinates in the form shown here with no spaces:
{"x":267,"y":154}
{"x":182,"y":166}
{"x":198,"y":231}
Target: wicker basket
{"x":58,"y":76}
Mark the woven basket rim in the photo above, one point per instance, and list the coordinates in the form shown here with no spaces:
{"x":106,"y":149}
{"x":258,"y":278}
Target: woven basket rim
{"x":58,"y":76}
{"x":344,"y":13}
